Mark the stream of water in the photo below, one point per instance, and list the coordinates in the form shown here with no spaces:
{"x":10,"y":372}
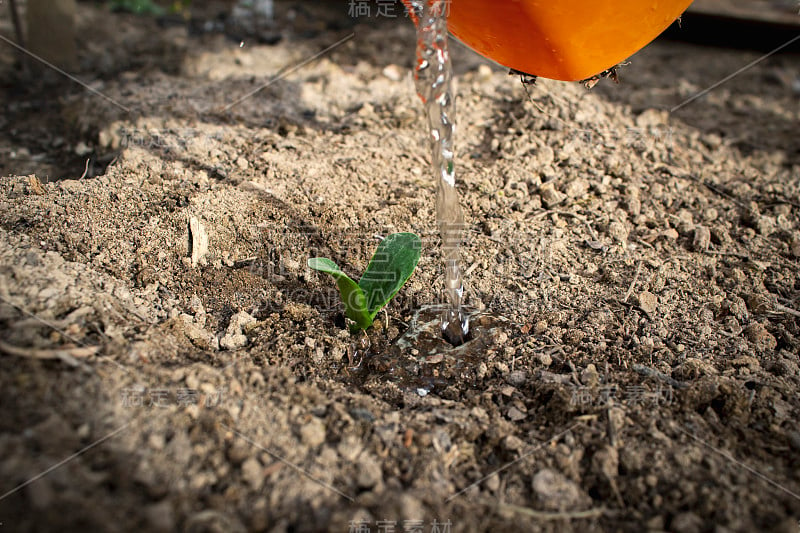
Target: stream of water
{"x":434,"y":75}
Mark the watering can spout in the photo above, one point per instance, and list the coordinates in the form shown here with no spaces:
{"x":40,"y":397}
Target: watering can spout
{"x":570,"y":41}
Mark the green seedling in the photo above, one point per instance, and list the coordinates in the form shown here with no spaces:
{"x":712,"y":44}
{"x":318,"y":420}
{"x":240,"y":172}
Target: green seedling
{"x":388,"y":270}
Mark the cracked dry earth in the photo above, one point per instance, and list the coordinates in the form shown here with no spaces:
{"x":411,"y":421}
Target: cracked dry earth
{"x":635,"y":271}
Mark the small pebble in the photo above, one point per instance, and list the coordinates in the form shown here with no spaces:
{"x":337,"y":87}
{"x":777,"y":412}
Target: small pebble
{"x":557,"y":492}
{"x":687,"y":523}
{"x":517,"y":378}
{"x":82,"y":149}
{"x":410,"y":507}
{"x":484,"y":72}
{"x":576,"y":188}
{"x":589,"y":376}
{"x":198,"y":240}
{"x":634,"y":204}
{"x":434,"y":359}
{"x":513,"y":443}
{"x":83,"y":431}
{"x":648,"y":302}
{"x":551,"y":197}
{"x":233,"y":341}
{"x":238,"y":451}
{"x":765,"y":225}
{"x":393,"y":72}
{"x":618,"y":231}
{"x":670,"y":233}
{"x":156,"y":441}
{"x":370,"y":473}
{"x":795,"y":245}
{"x":507,"y":390}
{"x":234,"y":337}
{"x":702,"y":239}
{"x":313,"y":433}
{"x":710,"y":214}
{"x":515,"y":415}
{"x":492,"y":483}
{"x":253,"y":473}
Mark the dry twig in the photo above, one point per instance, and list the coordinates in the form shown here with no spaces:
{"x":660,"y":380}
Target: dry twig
{"x":573,"y":215}
{"x":67,"y":355}
{"x":561,"y":515}
{"x":633,"y":282}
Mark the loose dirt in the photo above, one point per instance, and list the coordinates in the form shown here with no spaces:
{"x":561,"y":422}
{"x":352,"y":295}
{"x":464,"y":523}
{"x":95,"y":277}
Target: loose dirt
{"x":636,"y":271}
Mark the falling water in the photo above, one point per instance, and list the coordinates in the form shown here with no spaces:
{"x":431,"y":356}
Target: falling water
{"x":433,"y":77}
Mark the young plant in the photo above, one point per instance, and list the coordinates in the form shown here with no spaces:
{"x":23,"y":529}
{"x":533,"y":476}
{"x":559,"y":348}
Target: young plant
{"x":390,"y":267}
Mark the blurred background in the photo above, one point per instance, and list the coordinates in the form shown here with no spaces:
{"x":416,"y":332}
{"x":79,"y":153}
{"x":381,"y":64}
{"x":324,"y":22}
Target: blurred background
{"x":120,"y":41}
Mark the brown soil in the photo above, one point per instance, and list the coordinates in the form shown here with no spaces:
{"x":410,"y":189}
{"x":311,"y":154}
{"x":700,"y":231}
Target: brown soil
{"x":636,"y":365}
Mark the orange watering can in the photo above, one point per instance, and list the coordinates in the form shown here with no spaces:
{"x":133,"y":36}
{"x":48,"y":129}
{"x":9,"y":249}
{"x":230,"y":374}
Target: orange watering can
{"x":566,"y":40}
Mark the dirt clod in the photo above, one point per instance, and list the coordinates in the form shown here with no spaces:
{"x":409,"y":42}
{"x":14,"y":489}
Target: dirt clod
{"x":761,"y":338}
{"x":551,"y":197}
{"x":648,"y":302}
{"x":557,"y":493}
